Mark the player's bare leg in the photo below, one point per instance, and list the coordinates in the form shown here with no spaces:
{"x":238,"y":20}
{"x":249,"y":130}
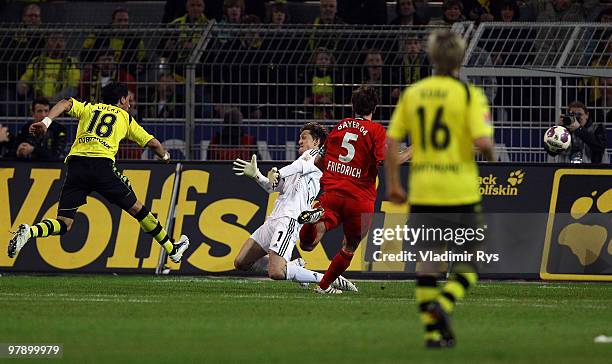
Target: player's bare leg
{"x":25,"y":232}
{"x":250,"y":253}
{"x":150,"y":225}
{"x":277,"y":267}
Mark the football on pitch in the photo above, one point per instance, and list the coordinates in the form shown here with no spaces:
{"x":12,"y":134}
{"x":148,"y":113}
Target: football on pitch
{"x":557,"y":138}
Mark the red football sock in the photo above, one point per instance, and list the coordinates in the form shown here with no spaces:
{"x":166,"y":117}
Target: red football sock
{"x":338,"y":265}
{"x":308,"y":233}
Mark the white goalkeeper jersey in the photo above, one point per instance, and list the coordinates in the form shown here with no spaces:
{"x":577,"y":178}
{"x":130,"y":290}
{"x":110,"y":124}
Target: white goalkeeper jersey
{"x":298,"y":186}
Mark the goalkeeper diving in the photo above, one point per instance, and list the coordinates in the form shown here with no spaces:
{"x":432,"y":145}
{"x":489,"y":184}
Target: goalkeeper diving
{"x":270,"y":247}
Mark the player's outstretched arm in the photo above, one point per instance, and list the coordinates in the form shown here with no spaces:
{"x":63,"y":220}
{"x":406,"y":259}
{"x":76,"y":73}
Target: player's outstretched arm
{"x":485,"y":145}
{"x":58,"y":109}
{"x":249,"y":169}
{"x":395,"y":192}
{"x":158,"y":149}
{"x":305,"y":164}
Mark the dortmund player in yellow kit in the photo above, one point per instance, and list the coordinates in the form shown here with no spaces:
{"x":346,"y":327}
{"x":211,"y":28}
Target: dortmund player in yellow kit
{"x":445,"y":119}
{"x":91,"y":167}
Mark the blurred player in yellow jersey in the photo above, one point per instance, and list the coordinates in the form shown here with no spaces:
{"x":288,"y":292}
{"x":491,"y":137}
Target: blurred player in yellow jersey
{"x":445,"y":119}
{"x":91,"y":167}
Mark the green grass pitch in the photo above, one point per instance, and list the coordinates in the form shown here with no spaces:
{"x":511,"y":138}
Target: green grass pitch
{"x":148,"y":319}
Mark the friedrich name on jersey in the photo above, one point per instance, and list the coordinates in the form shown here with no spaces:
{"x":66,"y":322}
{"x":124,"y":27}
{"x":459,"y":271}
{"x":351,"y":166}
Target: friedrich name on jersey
{"x":352,"y":152}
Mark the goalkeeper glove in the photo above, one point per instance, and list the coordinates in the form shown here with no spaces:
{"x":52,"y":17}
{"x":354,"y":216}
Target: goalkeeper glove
{"x":274,"y":176}
{"x":245,"y":168}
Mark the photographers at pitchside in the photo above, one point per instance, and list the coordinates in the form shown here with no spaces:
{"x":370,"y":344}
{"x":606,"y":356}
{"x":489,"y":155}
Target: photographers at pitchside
{"x":588,"y":137}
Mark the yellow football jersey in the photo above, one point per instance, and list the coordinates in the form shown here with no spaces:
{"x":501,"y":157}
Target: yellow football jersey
{"x":101,"y":128}
{"x":443,"y":117}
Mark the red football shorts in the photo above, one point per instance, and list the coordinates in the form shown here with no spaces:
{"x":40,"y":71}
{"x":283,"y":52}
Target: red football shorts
{"x":354,"y":215}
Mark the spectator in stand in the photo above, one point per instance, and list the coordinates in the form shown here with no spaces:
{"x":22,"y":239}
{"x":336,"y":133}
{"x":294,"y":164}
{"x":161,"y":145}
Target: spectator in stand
{"x":53,"y":75}
{"x":214,"y":9}
{"x":376,"y":76}
{"x":562,"y":10}
{"x":282,"y":59}
{"x":328,"y":15}
{"x":478,"y":10}
{"x":363,"y":11}
{"x":278,"y":14}
{"x":452,"y":12}
{"x":232,"y":142}
{"x":413,"y":60}
{"x":129,"y":49}
{"x":23,"y":45}
{"x":243,"y":60}
{"x":50,"y":146}
{"x":16,"y":52}
{"x":5,"y":141}
{"x":166,"y":100}
{"x":104,"y":72}
{"x":506,"y":11}
{"x":233,"y":12}
{"x":407,"y":14}
{"x":322,"y":93}
{"x":177,"y":50}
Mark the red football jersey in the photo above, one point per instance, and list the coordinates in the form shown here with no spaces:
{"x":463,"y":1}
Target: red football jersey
{"x":353,"y":150}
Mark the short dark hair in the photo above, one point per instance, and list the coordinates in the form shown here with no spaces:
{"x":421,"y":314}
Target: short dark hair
{"x":317,"y":131}
{"x":578,"y":105}
{"x":279,"y":6}
{"x":40,"y":101}
{"x":119,"y":10}
{"x":364,"y":100}
{"x":113,"y":92}
{"x":506,"y":4}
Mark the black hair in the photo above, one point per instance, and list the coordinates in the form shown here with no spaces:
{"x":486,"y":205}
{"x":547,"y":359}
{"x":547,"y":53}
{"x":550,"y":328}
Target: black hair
{"x":364,"y":100}
{"x":119,"y":10}
{"x":497,"y":8}
{"x":113,"y":92}
{"x":316,"y":130}
{"x":40,"y":101}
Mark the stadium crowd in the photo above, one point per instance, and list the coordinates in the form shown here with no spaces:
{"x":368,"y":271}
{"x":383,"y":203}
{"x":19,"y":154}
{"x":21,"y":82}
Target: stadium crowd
{"x":257,"y":74}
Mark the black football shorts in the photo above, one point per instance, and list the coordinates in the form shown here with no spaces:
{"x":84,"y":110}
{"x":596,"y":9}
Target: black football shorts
{"x":86,"y":175}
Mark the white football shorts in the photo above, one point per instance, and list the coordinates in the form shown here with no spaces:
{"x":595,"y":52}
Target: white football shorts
{"x":279,"y":235}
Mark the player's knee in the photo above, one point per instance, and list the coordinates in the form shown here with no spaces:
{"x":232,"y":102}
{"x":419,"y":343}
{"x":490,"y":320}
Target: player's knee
{"x":307,"y":247}
{"x":276,"y":274}
{"x":240,"y":265}
{"x":65,"y":224}
{"x":136,"y":209}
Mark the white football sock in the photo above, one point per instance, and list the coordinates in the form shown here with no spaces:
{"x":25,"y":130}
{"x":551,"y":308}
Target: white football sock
{"x":301,"y":274}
